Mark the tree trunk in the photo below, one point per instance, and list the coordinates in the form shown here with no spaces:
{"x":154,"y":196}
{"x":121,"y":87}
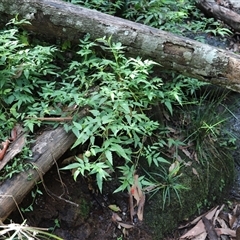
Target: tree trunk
{"x":48,"y":148}
{"x":192,"y":58}
{"x":211,"y":8}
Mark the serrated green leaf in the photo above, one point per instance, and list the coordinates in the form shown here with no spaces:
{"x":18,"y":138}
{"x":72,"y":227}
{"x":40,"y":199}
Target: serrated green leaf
{"x":169,"y":106}
{"x":109,"y":157}
{"x":70,"y":166}
{"x":78,"y":125}
{"x":94,"y":112}
{"x":127,"y":116}
{"x":119,"y":150}
{"x":162,"y":160}
{"x":125,"y":108}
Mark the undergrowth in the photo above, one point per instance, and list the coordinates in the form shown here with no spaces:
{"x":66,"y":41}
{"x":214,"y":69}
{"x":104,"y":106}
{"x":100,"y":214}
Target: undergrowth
{"x":120,"y":97}
{"x":128,"y":108}
{"x":181,"y":17}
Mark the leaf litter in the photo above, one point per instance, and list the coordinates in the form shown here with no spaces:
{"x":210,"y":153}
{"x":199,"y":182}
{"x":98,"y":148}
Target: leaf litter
{"x":136,"y":207}
{"x":216,"y":224}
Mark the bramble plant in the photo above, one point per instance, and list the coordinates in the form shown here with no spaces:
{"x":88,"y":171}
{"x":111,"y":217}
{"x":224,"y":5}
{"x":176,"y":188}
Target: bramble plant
{"x":118,"y":133}
{"x":117,"y":129}
{"x":117,"y":125}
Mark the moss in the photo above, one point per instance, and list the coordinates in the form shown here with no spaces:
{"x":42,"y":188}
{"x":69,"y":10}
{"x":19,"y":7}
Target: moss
{"x":84,"y":208}
{"x":204,"y":190}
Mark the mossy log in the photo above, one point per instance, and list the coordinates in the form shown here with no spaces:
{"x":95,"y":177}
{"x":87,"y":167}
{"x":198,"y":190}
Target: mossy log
{"x":49,"y":147}
{"x":58,"y":19}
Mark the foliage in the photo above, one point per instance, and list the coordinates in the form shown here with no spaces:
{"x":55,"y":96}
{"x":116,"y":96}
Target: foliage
{"x":110,"y":7}
{"x":179,"y":17}
{"x":117,"y":125}
{"x":22,"y":72}
{"x":119,"y":132}
{"x":34,"y":194}
{"x":203,"y":125}
{"x":166,"y":180}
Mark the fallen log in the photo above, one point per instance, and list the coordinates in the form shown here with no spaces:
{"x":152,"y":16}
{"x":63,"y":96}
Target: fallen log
{"x":211,"y":8}
{"x":64,"y":20}
{"x":49,"y":147}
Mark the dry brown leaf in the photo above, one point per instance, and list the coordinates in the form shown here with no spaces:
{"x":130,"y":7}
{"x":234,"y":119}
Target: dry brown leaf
{"x":14,"y":148}
{"x":139,"y":196}
{"x":222,"y":223}
{"x":135,"y":191}
{"x":225,"y":231}
{"x":210,"y":229}
{"x":197,"y":219}
{"x":235,"y":221}
{"x":140,"y":208}
{"x":238,"y":233}
{"x":116,"y":217}
{"x":232,"y":220}
{"x":193,"y":222}
{"x":187,"y":153}
{"x":125,"y":225}
{"x":201,"y":236}
{"x":195,"y":231}
{"x":211,"y":213}
{"x":188,"y":164}
{"x":131,"y":207}
{"x":195,"y":156}
{"x":195,"y":172}
{"x":217,"y":213}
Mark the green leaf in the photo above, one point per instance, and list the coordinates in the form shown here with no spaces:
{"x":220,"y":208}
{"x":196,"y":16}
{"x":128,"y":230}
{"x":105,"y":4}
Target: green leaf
{"x":125,"y":108}
{"x":78,"y":125}
{"x":119,"y":150}
{"x":94,"y":112}
{"x":70,"y":166}
{"x":26,"y":73}
{"x":76,"y":173}
{"x":114,"y":207}
{"x":128,"y":119}
{"x":109,"y":157}
{"x":162,"y":160}
{"x":169,"y":106}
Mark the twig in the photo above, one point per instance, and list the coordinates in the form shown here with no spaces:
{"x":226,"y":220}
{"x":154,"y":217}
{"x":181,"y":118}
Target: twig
{"x":51,"y":119}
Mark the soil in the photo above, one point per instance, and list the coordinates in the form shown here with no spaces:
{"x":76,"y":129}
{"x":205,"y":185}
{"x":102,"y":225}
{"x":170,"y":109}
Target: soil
{"x":80,"y":210}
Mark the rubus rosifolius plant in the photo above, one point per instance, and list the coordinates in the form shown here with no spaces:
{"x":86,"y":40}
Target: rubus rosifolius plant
{"x":117,"y":92}
{"x":23,"y":73}
{"x":24,"y":70}
{"x":117,"y":127}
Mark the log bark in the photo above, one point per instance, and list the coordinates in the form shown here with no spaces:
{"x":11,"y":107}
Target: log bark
{"x":192,"y":58}
{"x":49,"y":147}
{"x":211,"y":8}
